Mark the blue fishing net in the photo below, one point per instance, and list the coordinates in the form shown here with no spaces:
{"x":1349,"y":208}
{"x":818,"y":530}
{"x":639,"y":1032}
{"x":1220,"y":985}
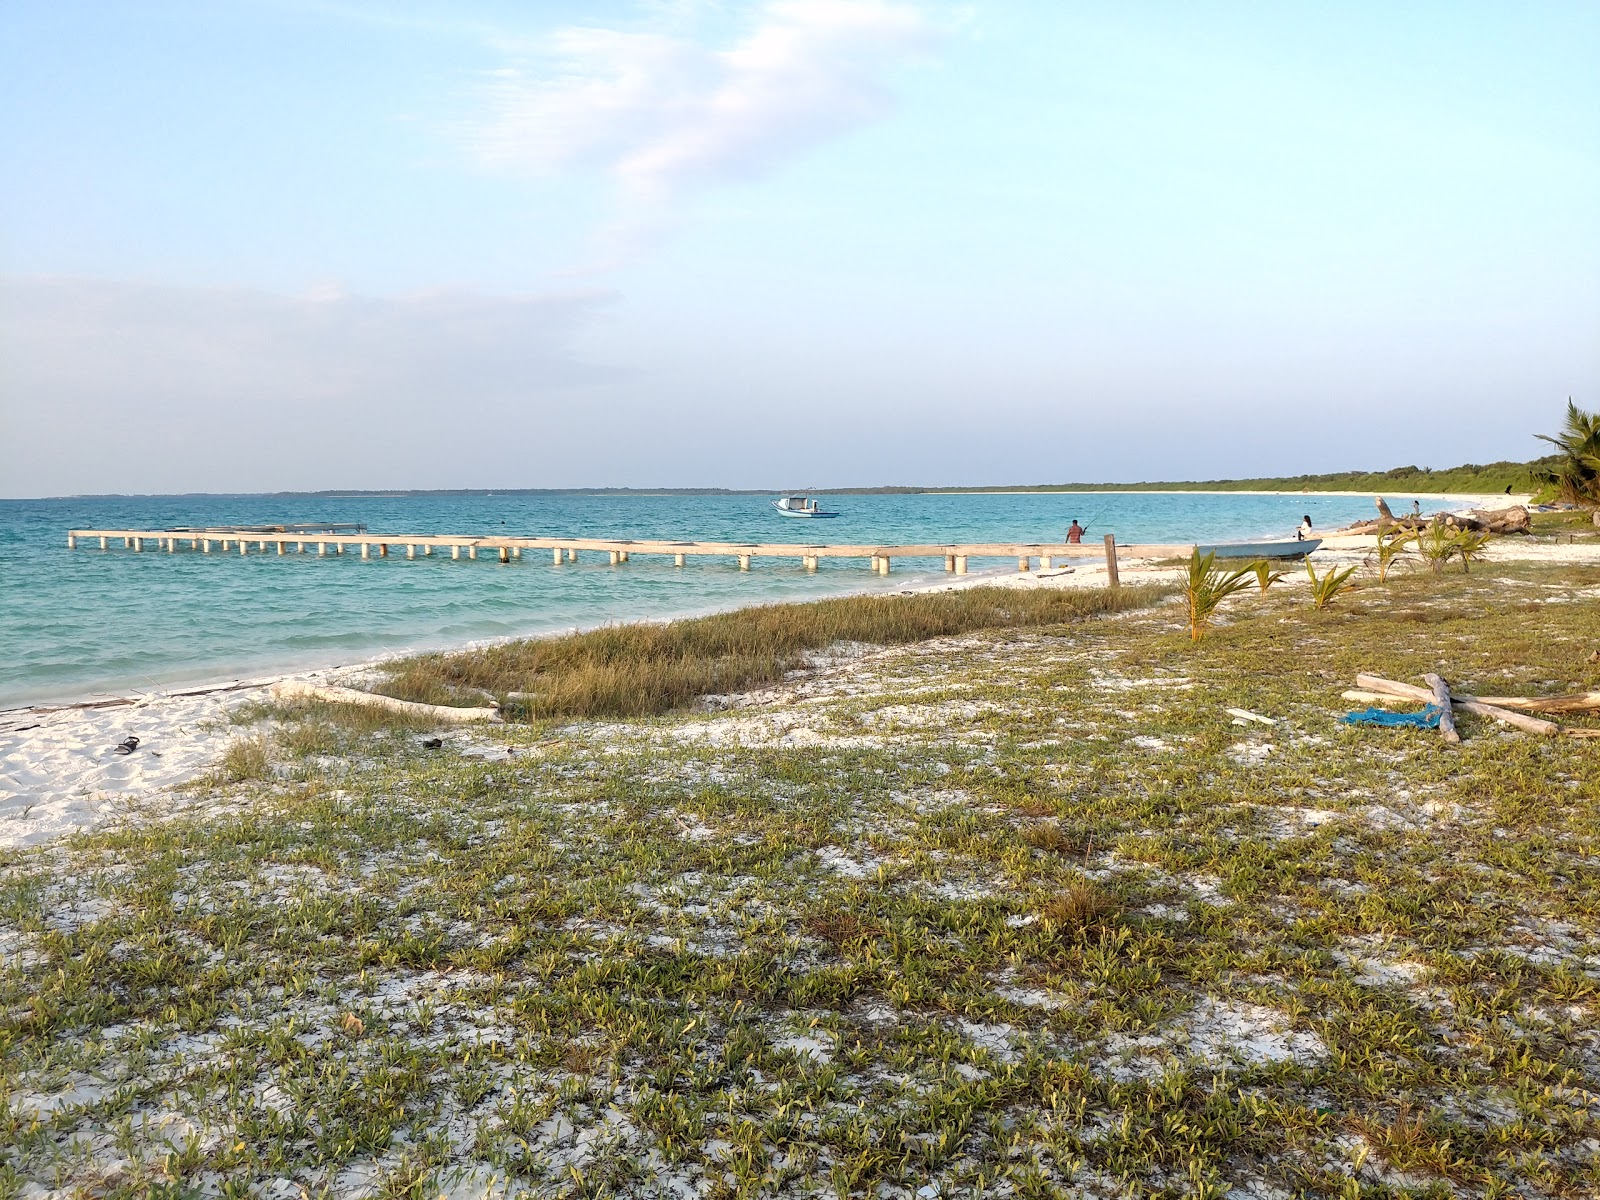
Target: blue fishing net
{"x":1428,"y":718}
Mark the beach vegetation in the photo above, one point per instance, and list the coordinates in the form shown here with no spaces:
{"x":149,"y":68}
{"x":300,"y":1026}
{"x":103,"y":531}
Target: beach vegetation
{"x":245,"y":759}
{"x":644,"y":669}
{"x":1437,"y":544}
{"x":828,"y":943}
{"x":1267,"y":574}
{"x":1332,"y":583}
{"x":1206,"y":587}
{"x":1390,"y":547}
{"x":1574,"y":471}
{"x":1471,"y":546}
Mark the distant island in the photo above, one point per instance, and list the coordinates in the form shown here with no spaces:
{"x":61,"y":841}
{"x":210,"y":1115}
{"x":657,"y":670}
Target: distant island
{"x":1468,"y":479}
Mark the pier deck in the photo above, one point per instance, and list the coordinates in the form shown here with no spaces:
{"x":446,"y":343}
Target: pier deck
{"x":508,"y":548}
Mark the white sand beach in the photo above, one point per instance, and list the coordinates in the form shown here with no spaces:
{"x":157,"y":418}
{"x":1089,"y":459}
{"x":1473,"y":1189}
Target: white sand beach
{"x":60,"y":771}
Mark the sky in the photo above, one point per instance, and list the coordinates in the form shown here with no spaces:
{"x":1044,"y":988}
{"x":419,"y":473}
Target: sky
{"x":302,"y":244}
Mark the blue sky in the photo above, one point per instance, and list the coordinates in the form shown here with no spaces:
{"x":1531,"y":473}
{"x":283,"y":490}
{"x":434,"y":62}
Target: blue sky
{"x":427,"y":244}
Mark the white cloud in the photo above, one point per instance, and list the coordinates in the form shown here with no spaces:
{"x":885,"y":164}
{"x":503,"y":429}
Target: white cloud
{"x":664,"y":115}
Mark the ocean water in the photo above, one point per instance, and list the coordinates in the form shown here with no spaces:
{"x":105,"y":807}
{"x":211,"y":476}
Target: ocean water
{"x":80,"y":623}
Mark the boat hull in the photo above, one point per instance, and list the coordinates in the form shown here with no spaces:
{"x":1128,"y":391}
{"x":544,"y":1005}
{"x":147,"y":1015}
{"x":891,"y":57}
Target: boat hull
{"x":784,"y":512}
{"x":1255,"y":550}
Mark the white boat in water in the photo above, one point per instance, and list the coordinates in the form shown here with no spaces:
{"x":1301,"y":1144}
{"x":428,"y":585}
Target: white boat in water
{"x":799,"y":506}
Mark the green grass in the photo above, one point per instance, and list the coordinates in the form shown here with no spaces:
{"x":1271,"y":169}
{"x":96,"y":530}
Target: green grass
{"x":644,"y":669}
{"x":1018,"y":912}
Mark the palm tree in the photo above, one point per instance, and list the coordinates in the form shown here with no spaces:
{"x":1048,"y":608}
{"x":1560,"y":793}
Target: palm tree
{"x":1576,"y":473}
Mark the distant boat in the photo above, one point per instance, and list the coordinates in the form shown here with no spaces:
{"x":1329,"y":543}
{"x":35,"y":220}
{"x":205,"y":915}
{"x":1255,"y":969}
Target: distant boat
{"x":799,"y":506}
{"x":1254,"y":550}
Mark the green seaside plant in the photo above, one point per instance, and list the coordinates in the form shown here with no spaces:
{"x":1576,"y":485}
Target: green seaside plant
{"x":1207,"y":587}
{"x":1470,"y":547}
{"x":1437,"y":544}
{"x":1329,"y":584}
{"x":1266,"y":576}
{"x":1390,"y":548}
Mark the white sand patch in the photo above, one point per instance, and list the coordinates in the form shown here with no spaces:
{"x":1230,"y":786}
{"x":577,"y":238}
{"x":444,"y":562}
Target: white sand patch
{"x":811,"y":1044}
{"x":1031,"y":997}
{"x":838,"y":861}
{"x":1154,"y":744}
{"x":60,"y":773}
{"x":1249,"y":753}
{"x":1226,"y":1033}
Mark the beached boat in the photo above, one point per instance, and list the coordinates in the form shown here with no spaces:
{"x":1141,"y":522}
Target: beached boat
{"x":799,"y":506}
{"x":1254,"y":550}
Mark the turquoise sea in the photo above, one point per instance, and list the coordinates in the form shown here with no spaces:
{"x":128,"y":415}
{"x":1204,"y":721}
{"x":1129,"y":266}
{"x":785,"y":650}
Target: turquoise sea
{"x":79,"y":623}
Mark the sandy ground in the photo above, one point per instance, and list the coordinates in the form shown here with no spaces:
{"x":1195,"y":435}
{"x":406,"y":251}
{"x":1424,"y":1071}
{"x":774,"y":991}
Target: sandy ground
{"x":60,"y":772}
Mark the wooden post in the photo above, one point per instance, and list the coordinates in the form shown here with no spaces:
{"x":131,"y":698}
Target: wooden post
{"x":516,"y":552}
{"x":812,"y":563}
{"x":950,"y":564}
{"x":261,"y":546}
{"x":572,"y":556}
{"x":205,"y":545}
{"x":244,"y":547}
{"x":558,"y":555}
{"x":505,"y":555}
{"x":1112,"y":579}
{"x":383,"y":549}
{"x":455,"y":552}
{"x":411,"y":550}
{"x":322,"y":549}
{"x":299,"y":547}
{"x":614,"y":558}
{"x":961,"y":564}
{"x":472,"y":552}
{"x":282,"y":548}
{"x":1447,"y":716}
{"x":744,"y":562}
{"x":624,"y":555}
{"x":874,"y":564}
{"x":72,"y":542}
{"x":366,"y":550}
{"x":427,"y":551}
{"x":677,"y":560}
{"x":1022,"y":562}
{"x":138,"y":544}
{"x":883,"y":564}
{"x":172,"y":545}
{"x":105,"y":543}
{"x":1046,"y":562}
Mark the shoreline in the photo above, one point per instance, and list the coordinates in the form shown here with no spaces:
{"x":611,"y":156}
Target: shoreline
{"x":60,"y":772}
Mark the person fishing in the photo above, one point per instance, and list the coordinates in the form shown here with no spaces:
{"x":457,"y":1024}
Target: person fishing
{"x":1075,"y":533}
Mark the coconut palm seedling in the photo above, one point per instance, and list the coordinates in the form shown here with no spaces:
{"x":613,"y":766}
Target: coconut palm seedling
{"x":1470,"y":547}
{"x":1265,"y":575}
{"x":1437,"y":544}
{"x":1329,"y":584}
{"x":1391,"y":548}
{"x":1208,"y":587}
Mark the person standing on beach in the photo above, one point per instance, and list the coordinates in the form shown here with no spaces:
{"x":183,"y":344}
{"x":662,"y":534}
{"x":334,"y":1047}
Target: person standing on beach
{"x":1075,"y":533}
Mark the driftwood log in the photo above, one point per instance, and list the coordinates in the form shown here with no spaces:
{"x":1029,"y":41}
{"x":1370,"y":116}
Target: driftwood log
{"x":1490,"y":520}
{"x":1447,"y":714}
{"x":1577,"y":702}
{"x":1471,"y":704}
{"x":294,"y":689}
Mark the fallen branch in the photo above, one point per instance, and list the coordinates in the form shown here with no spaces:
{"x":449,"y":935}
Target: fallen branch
{"x":1447,"y":715}
{"x":1470,"y":703}
{"x":299,"y":690}
{"x":1575,"y":702}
